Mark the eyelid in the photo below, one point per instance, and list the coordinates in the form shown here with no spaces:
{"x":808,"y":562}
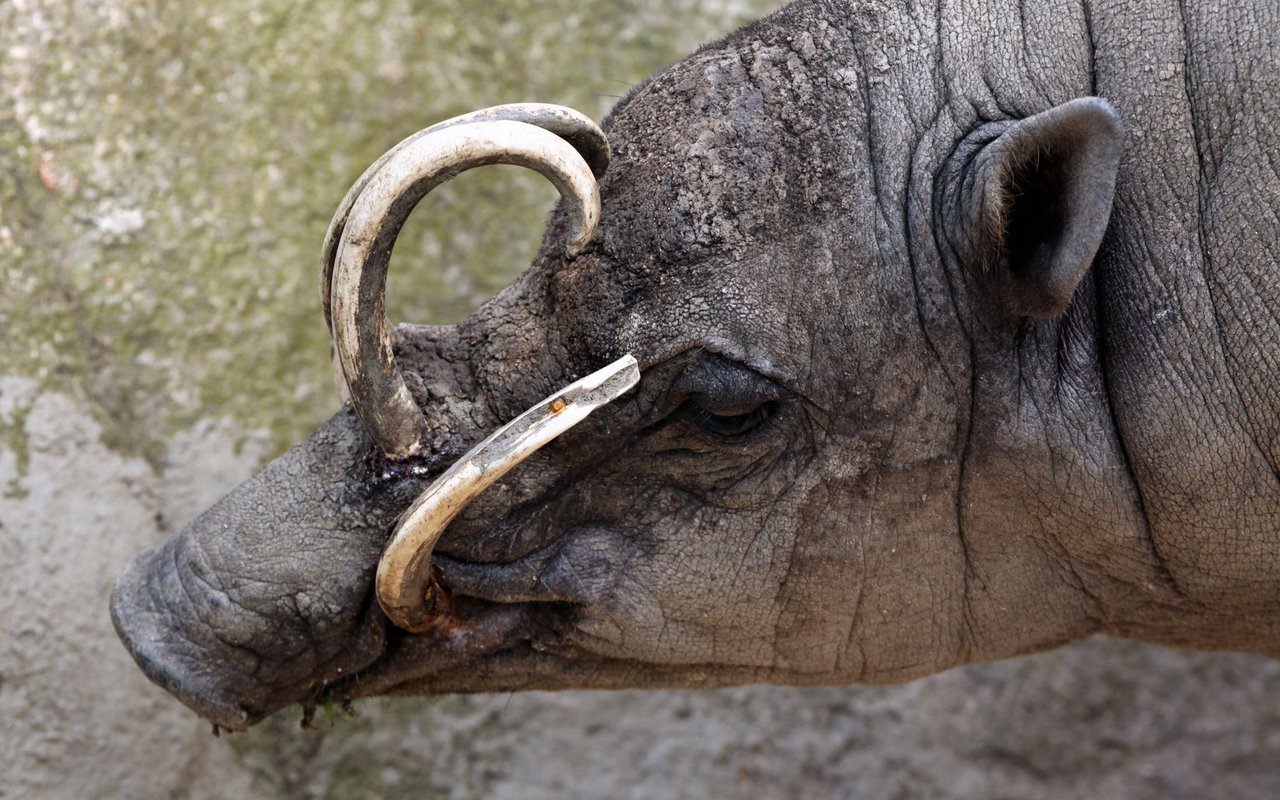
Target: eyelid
{"x":730,"y":407}
{"x":730,"y":428}
{"x":727,"y":387}
{"x":734,"y":353}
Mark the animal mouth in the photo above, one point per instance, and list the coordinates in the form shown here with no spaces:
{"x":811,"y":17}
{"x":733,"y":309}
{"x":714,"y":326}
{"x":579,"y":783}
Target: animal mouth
{"x":494,"y":613}
{"x":471,"y":631}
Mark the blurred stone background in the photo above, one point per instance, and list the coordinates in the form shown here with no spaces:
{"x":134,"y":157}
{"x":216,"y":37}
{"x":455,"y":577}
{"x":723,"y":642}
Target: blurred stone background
{"x":167,"y":171}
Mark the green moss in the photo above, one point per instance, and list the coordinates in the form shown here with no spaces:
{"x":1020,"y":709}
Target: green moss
{"x":13,"y":436}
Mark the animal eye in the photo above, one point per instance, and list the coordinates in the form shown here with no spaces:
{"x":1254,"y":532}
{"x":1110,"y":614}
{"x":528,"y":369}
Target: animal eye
{"x":730,"y":425}
{"x":723,"y":398}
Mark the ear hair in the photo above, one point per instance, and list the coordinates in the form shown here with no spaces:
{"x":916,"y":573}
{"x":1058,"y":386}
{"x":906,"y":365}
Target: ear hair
{"x":1029,"y":201}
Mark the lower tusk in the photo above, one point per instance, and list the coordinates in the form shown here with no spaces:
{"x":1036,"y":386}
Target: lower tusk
{"x":404,"y":572}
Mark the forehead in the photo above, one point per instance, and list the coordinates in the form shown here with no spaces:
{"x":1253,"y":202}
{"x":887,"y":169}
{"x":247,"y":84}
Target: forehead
{"x":738,"y":206}
{"x":736,"y":143}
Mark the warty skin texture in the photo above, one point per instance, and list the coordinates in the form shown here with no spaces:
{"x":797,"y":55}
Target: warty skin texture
{"x":952,"y":468}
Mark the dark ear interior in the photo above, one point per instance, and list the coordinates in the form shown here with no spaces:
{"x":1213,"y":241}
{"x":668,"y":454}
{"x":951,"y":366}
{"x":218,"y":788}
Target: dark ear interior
{"x":1040,"y":196}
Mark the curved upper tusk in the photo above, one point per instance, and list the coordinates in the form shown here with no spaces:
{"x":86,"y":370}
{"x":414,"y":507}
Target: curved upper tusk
{"x":574,"y":127}
{"x":404,"y":572}
{"x":360,"y":335}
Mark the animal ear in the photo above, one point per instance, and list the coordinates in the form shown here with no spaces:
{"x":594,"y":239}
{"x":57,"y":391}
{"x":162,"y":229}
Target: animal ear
{"x":1034,"y":200}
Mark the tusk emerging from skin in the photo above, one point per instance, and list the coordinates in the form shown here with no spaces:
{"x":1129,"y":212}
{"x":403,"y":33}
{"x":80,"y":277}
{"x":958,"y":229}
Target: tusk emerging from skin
{"x":404,"y":582}
{"x":573,"y":126}
{"x":361,"y":338}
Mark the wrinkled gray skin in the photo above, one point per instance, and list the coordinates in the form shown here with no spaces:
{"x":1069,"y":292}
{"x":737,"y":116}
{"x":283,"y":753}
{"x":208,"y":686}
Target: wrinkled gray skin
{"x":976,"y":440}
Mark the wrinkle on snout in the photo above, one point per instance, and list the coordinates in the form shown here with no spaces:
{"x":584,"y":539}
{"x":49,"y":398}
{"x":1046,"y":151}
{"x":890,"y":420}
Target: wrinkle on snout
{"x":267,"y":596}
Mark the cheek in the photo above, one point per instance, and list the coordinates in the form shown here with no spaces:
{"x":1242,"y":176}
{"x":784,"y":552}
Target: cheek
{"x":713,"y":586}
{"x":886,"y":540}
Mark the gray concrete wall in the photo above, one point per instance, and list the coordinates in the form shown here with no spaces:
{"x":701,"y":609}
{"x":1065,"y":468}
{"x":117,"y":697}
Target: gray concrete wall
{"x":166,"y":175}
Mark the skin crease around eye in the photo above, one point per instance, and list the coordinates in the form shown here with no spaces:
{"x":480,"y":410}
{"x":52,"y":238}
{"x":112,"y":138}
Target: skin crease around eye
{"x":725,"y":398}
{"x":730,"y":425}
